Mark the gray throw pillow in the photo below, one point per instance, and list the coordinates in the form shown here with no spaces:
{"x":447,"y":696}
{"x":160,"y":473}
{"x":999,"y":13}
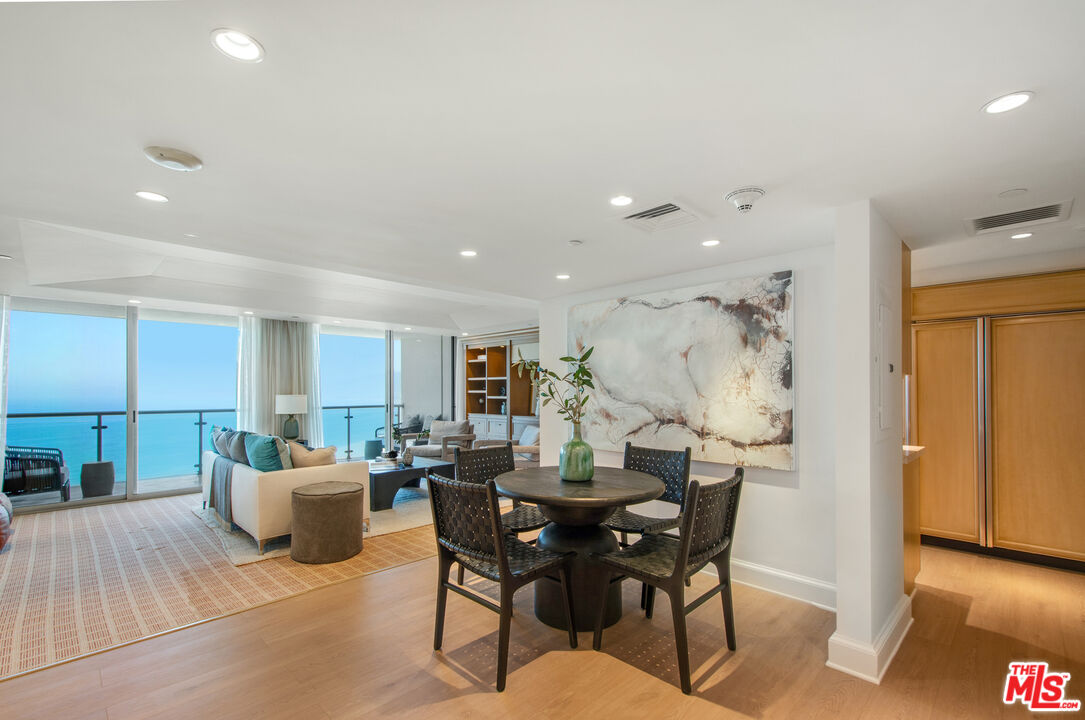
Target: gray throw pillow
{"x":237,"y":447}
{"x":221,"y":440}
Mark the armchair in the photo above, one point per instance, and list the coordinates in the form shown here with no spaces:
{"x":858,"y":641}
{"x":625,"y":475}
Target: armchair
{"x":444,"y":435}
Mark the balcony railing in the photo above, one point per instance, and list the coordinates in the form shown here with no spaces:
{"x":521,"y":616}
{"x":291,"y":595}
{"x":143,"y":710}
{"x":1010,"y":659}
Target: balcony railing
{"x":162,"y":432}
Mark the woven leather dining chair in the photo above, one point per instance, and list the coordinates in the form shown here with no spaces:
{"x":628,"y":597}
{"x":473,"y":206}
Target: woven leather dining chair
{"x":468,"y":527}
{"x":708,"y":526}
{"x":670,"y":466}
{"x":482,"y":464}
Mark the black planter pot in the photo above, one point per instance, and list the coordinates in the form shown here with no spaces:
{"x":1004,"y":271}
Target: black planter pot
{"x":96,"y":479}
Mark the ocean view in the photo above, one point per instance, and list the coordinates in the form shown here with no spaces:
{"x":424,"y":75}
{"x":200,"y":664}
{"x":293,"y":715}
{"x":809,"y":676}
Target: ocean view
{"x":169,"y":443}
{"x":63,"y":363}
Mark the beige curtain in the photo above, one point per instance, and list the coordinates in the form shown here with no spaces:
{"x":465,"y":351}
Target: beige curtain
{"x":278,"y":357}
{"x":5,"y":329}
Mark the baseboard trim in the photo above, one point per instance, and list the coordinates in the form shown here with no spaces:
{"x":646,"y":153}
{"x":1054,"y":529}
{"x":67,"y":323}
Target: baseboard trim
{"x":870,"y":661}
{"x":781,"y":582}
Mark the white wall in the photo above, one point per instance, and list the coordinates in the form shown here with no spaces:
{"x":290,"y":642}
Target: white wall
{"x":872,"y":611}
{"x":785,"y":539}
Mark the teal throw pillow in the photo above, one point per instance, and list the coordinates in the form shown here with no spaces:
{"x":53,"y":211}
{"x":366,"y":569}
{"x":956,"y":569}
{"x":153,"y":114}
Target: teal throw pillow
{"x":264,"y":453}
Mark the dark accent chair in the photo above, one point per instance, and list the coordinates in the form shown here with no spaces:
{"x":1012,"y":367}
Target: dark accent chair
{"x":467,"y":522}
{"x":484,"y":464}
{"x":34,"y":470}
{"x":670,"y":466}
{"x":708,"y":526}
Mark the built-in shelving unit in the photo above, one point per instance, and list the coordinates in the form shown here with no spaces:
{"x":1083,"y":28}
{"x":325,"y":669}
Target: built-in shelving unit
{"x":499,"y":403}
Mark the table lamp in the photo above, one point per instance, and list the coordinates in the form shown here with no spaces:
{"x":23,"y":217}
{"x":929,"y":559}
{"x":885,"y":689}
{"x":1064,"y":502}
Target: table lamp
{"x":291,"y":405}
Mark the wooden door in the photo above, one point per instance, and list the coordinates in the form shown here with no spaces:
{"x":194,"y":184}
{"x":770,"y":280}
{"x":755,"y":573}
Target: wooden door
{"x":1037,"y":445}
{"x":946,"y":366}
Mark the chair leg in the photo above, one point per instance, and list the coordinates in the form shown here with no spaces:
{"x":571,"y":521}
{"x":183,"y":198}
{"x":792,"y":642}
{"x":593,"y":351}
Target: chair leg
{"x":678,"y":615}
{"x":459,"y":575}
{"x":728,"y":607}
{"x":445,"y":564}
{"x":597,"y":637}
{"x":643,"y":595}
{"x":503,"y":637}
{"x":649,"y":601}
{"x":567,"y":602}
{"x":624,"y":541}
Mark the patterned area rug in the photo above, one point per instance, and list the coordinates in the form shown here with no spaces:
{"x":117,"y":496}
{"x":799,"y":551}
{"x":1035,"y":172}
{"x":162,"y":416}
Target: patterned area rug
{"x":74,"y":582}
{"x":410,"y":509}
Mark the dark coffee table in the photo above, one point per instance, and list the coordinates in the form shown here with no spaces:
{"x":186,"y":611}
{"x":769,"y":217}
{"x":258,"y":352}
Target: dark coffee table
{"x":385,"y":482}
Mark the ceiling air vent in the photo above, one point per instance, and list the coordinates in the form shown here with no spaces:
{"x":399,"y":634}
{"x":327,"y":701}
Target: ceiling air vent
{"x":1020,"y":218}
{"x":661,"y":217}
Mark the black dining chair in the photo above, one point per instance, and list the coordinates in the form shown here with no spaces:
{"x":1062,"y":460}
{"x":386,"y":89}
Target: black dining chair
{"x":670,"y":466}
{"x":469,"y":532}
{"x":483,"y":464}
{"x":708,"y":526}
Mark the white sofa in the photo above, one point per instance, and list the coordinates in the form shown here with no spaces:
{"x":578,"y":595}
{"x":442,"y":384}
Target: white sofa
{"x":261,"y":500}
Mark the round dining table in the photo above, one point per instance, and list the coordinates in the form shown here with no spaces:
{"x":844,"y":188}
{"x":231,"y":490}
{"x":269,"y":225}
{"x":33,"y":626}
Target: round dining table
{"x":577,"y":511}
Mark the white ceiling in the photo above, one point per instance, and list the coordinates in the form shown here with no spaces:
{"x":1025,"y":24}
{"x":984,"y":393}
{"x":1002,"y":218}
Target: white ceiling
{"x":378,"y":139}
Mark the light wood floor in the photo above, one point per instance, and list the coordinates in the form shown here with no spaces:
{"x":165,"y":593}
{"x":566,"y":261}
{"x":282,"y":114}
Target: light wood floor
{"x":363,"y":649}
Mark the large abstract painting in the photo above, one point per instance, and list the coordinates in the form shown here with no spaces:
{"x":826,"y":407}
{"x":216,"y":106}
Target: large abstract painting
{"x":708,"y":367}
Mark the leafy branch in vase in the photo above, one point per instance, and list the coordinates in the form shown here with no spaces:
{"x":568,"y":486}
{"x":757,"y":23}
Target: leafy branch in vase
{"x":569,"y":391}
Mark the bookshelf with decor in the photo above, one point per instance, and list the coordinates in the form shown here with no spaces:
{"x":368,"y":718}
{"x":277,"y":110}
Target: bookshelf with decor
{"x":497,"y":402}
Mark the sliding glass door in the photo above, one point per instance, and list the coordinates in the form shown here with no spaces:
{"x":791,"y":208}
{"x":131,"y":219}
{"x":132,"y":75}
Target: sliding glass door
{"x":352,"y":377}
{"x":187,"y":373}
{"x":423,"y":378}
{"x":66,"y":434}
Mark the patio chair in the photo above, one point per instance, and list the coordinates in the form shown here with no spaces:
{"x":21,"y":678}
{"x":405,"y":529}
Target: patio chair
{"x":35,"y":470}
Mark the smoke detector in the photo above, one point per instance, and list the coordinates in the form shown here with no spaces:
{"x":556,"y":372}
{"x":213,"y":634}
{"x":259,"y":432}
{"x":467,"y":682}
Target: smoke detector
{"x":172,"y":158}
{"x":744,"y":198}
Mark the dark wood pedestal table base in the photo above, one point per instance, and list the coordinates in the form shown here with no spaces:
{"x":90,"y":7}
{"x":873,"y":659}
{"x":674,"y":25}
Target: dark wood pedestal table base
{"x":577,"y":511}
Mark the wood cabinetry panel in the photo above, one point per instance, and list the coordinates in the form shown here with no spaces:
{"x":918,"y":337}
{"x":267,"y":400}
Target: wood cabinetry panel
{"x":1038,"y":452}
{"x":947,"y":423}
{"x":1001,"y":296}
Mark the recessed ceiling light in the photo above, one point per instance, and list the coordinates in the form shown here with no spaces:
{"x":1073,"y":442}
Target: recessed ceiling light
{"x":1020,"y":236}
{"x":191,"y":235}
{"x":563,"y":276}
{"x":237,"y":45}
{"x":135,"y":302}
{"x":710,"y":243}
{"x":621,"y":200}
{"x":1007,"y":102}
{"x":468,"y":253}
{"x":6,"y":257}
{"x":337,"y":322}
{"x":152,"y":196}
{"x":247,"y":312}
{"x":463,"y":333}
{"x":407,"y":328}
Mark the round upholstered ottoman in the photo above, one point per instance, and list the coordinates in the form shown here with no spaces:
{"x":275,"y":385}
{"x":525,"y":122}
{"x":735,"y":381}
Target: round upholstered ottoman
{"x":327,"y":522}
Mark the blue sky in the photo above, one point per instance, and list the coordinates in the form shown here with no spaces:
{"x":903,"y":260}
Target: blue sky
{"x":70,"y":363}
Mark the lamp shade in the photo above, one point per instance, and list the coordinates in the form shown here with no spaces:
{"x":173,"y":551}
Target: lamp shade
{"x":291,"y":404}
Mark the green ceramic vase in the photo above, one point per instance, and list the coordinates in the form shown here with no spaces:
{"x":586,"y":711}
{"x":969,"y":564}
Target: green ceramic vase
{"x":577,"y":462}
